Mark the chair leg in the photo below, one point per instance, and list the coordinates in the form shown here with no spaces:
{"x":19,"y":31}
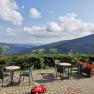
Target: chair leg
{"x":56,"y":74}
{"x":79,"y":73}
{"x":71,"y":74}
{"x":32,"y":78}
{"x":68,"y":73}
{"x":59,"y":74}
{"x":2,"y":82}
{"x":23,"y":78}
{"x":29,"y":80}
{"x":20,"y":78}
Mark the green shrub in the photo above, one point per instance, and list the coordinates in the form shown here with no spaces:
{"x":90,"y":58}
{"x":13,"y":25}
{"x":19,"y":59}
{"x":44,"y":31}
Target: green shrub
{"x":41,"y":60}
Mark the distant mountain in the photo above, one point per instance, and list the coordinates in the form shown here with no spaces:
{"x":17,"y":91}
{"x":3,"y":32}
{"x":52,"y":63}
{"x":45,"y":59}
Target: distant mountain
{"x":81,"y":45}
{"x":16,"y":48}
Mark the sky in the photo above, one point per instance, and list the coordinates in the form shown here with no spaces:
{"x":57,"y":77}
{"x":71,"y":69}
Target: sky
{"x":45,"y":21}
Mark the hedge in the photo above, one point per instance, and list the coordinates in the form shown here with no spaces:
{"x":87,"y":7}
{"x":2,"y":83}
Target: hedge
{"x":26,"y":60}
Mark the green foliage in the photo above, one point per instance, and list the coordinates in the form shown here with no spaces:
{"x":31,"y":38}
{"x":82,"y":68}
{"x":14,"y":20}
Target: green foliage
{"x":42,"y":60}
{"x":1,"y":50}
{"x":39,"y":53}
{"x":53,"y":50}
{"x":74,"y":56}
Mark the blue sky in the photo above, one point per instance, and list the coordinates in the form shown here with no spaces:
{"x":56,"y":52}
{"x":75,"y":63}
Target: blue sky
{"x":45,"y":21}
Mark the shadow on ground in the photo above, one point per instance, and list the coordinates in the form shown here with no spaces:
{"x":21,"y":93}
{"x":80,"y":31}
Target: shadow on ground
{"x":14,"y":84}
{"x":27,"y":93}
{"x":46,"y":78}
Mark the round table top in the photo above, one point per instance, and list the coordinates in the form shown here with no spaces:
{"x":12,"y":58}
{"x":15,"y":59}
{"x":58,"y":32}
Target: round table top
{"x":12,"y":68}
{"x":65,"y":64}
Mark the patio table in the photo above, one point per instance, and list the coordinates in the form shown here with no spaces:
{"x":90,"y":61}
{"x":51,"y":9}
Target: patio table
{"x":12,"y":69}
{"x":65,"y":65}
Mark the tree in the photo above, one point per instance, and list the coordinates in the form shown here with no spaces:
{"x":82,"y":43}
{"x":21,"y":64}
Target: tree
{"x":1,"y":50}
{"x":74,"y":56}
{"x":53,"y":50}
{"x":40,"y":54}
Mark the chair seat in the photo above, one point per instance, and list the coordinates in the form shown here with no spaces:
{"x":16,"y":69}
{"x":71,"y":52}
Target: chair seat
{"x":25,"y":74}
{"x":75,"y":69}
{"x":6,"y":74}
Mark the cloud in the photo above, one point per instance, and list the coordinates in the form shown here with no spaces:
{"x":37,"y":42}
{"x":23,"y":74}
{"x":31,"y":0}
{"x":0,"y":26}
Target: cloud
{"x":66,"y":27}
{"x":34,"y":29}
{"x":9,"y":12}
{"x":14,"y":35}
{"x":34,"y":13}
{"x":10,"y":32}
{"x":72,"y":24}
{"x":54,"y":27}
{"x":37,"y":31}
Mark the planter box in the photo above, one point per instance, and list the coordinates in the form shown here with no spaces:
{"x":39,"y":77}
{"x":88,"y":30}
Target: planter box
{"x":86,"y":69}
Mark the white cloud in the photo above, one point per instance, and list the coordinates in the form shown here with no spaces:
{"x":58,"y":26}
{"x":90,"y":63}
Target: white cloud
{"x":14,"y":35}
{"x":67,"y":27}
{"x":10,"y":32}
{"x":54,"y":27}
{"x":9,"y":12}
{"x":34,"y":29}
{"x":34,"y":13}
{"x":72,"y":24}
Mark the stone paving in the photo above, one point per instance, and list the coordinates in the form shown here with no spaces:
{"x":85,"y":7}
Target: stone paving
{"x":54,"y":86}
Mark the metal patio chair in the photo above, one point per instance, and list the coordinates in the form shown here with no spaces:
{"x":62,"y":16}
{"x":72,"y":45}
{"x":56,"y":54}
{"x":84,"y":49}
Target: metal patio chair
{"x":75,"y":69}
{"x":56,"y":63}
{"x":3,"y":75}
{"x":27,"y":72}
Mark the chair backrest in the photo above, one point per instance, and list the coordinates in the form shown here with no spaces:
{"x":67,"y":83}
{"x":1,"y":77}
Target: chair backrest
{"x":31,"y":68}
{"x":1,"y":73}
{"x":57,"y":61}
{"x":60,"y":69}
{"x":10,"y":63}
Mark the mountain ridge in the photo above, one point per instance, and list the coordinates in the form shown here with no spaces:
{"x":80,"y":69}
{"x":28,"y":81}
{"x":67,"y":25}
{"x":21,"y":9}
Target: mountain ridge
{"x":12,"y":48}
{"x":82,"y":45}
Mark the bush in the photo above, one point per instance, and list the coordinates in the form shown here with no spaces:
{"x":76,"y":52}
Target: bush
{"x":48,"y":59}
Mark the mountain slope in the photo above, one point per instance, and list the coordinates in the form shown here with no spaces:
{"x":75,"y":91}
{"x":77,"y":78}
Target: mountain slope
{"x":82,"y":45}
{"x":15,"y":48}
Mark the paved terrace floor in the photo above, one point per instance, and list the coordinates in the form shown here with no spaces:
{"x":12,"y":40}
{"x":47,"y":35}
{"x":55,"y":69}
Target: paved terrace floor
{"x":54,"y":86}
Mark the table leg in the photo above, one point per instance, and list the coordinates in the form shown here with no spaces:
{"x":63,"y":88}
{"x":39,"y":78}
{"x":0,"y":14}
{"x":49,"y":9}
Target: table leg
{"x":12,"y":73}
{"x":68,"y":73}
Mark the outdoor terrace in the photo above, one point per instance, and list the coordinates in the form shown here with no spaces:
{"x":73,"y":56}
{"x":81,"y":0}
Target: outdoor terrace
{"x":54,"y":86}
